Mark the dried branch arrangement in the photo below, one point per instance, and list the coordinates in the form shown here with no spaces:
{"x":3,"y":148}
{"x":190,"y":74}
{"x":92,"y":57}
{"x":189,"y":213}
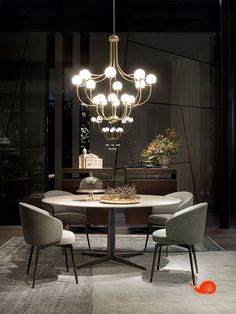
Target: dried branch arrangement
{"x":121,"y":192}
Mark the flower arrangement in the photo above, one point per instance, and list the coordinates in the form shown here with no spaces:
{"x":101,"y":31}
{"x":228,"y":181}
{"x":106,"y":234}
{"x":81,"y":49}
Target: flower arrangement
{"x":162,"y":146}
{"x":121,"y":192}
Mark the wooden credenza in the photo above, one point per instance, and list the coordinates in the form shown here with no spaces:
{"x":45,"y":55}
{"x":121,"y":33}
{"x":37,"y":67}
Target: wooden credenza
{"x":155,"y":181}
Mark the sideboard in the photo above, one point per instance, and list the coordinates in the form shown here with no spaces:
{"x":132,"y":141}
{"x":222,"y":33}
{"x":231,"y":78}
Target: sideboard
{"x":155,"y":181}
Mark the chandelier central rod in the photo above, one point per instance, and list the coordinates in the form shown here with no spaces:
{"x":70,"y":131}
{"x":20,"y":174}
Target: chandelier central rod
{"x":114,"y":17}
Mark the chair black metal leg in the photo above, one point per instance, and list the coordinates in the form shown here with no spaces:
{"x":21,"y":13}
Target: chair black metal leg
{"x":159,"y":258}
{"x":167,"y":250}
{"x":149,"y":226}
{"x":191,"y":264}
{"x":30,"y":258}
{"x":195,"y":258}
{"x":86,"y":230}
{"x":154,"y":262}
{"x":73,"y":262}
{"x":66,"y":259}
{"x":35,"y":266}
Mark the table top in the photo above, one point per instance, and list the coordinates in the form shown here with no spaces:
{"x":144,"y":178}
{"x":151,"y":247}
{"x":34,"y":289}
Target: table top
{"x":78,"y":201}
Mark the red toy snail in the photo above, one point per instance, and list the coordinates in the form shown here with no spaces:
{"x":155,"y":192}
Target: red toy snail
{"x":206,"y":287}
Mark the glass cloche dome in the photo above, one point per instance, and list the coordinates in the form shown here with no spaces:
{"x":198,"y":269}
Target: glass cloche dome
{"x":91,"y":185}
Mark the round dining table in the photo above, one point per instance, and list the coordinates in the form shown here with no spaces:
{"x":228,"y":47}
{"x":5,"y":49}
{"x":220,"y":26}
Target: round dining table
{"x":141,"y":201}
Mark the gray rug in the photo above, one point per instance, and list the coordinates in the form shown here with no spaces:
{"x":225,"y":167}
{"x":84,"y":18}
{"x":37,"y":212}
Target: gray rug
{"x":55,"y":290}
{"x":136,"y":243}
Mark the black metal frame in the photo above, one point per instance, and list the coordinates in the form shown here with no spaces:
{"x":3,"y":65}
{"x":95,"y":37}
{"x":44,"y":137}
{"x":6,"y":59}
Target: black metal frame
{"x":37,"y":258}
{"x":191,"y":250}
{"x":111,"y":246}
{"x":86,"y":231}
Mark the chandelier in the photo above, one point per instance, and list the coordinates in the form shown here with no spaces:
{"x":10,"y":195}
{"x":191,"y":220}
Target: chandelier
{"x":113,"y":108}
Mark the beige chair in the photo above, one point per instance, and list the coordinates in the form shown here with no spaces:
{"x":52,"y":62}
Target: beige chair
{"x":185,"y":228}
{"x":67,"y":214}
{"x":41,"y":230}
{"x":161,"y":214}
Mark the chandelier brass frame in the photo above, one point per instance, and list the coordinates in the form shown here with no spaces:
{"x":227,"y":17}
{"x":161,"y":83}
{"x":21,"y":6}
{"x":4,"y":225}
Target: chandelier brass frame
{"x":114,"y":107}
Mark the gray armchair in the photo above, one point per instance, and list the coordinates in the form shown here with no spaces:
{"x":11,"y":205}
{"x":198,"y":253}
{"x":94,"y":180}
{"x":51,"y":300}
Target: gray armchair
{"x":161,"y":214}
{"x":41,"y":230}
{"x":185,"y":229}
{"x":67,"y":214}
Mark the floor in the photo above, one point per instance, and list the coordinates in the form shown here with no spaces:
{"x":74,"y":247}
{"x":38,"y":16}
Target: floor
{"x":123,"y":290}
{"x":226,"y":238}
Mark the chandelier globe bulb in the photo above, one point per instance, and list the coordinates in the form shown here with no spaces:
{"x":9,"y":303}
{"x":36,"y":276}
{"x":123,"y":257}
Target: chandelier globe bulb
{"x":117,"y":86}
{"x":112,"y":97}
{"x":140,"y":84}
{"x":125,"y":98}
{"x":101,"y":99}
{"x":131,"y":99}
{"x":116,"y":103}
{"x":110,"y":72}
{"x":139,"y":74}
{"x":90,"y":84}
{"x":151,"y":79}
{"x":77,"y":80}
{"x":85,"y":74}
{"x":113,"y":129}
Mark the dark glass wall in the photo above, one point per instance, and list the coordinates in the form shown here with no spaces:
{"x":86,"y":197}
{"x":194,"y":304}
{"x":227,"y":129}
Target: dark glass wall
{"x":23,"y":99}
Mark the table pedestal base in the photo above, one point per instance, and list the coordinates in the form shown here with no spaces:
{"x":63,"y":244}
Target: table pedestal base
{"x":118,"y":253}
{"x":107,"y":258}
{"x":111,"y":255}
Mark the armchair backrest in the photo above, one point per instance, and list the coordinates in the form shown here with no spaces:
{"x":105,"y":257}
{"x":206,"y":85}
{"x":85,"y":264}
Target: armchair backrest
{"x":64,"y":209}
{"x":186,"y":201}
{"x":52,"y":193}
{"x":39,"y":228}
{"x":187,"y":225}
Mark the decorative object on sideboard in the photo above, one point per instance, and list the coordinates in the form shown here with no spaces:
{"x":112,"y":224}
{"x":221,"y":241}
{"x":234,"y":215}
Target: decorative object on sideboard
{"x":162,"y":148}
{"x":90,"y":185}
{"x":90,"y":161}
{"x":122,"y":194}
{"x":114,"y":107}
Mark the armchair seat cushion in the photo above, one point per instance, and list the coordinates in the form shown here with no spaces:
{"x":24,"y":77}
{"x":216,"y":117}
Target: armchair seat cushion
{"x":159,"y":219}
{"x":160,"y":237}
{"x":68,"y":237}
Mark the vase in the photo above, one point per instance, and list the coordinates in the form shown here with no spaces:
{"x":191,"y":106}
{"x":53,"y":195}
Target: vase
{"x":147,"y":164}
{"x":164,"y":161}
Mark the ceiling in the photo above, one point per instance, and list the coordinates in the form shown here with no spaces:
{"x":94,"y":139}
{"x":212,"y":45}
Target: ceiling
{"x":96,"y":15}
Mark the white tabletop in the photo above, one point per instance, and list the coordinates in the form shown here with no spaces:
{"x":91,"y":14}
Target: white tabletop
{"x":78,"y":201}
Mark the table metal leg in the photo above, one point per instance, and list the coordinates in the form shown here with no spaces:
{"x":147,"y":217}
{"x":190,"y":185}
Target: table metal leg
{"x":111,"y":246}
{"x":124,"y":261}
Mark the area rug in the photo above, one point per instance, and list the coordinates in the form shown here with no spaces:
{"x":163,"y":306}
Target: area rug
{"x":55,"y":290}
{"x":136,"y":243}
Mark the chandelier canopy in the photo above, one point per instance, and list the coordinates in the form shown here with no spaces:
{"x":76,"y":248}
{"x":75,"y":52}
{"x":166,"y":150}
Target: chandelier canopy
{"x":115,"y":106}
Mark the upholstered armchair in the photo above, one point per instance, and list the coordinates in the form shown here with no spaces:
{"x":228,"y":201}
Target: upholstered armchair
{"x":161,"y":214}
{"x":185,"y":228}
{"x":67,"y":214}
{"x":41,"y":230}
